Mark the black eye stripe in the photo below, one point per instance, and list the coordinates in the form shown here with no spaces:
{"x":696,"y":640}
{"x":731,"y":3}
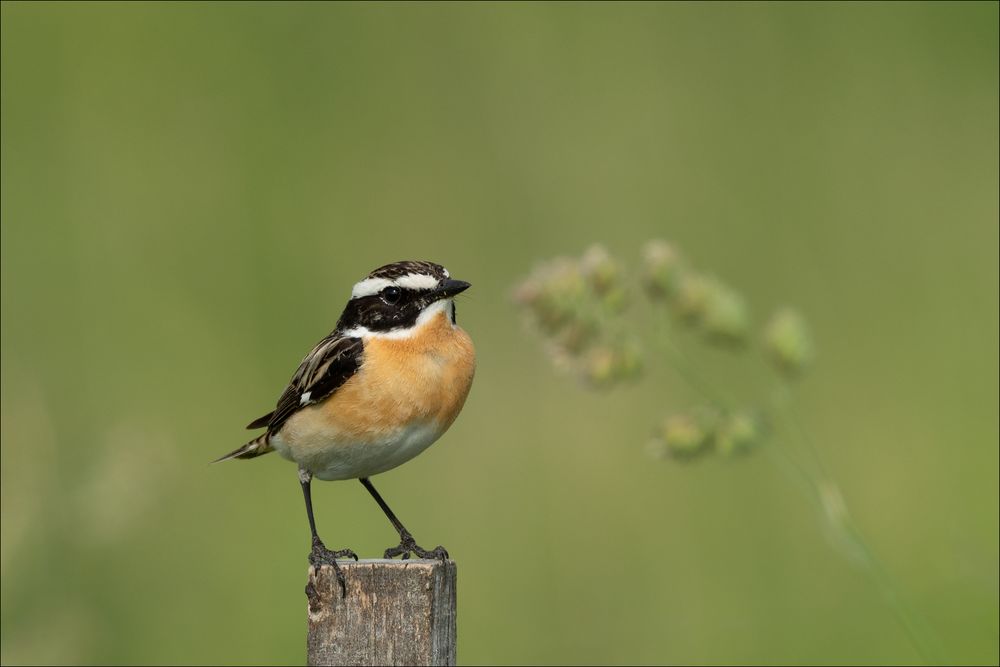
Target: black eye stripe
{"x":376,"y":313}
{"x":405,"y":293}
{"x":391,"y":295}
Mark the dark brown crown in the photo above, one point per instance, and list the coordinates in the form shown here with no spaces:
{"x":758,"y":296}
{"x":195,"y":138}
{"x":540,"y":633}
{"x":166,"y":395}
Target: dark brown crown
{"x":397,"y":269}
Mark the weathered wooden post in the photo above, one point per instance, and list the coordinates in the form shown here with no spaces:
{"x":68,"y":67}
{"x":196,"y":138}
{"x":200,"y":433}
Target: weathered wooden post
{"x":394,"y":613}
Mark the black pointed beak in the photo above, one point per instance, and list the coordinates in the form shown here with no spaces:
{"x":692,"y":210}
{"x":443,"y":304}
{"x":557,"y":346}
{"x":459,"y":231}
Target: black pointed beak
{"x":449,"y":288}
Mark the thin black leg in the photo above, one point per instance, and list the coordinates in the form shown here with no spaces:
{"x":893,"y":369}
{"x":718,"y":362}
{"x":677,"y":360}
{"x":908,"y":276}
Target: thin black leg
{"x":407,"y":544}
{"x":320,"y":555}
{"x":305,"y":479}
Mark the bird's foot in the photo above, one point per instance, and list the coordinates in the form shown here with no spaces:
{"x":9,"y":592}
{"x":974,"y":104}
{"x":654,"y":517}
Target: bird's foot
{"x":408,"y":545}
{"x":320,"y":556}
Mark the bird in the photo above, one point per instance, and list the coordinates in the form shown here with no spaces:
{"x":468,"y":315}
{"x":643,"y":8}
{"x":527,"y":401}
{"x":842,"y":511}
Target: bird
{"x":377,"y":391}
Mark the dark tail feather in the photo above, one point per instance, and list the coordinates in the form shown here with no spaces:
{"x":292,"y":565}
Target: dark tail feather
{"x":260,"y":422}
{"x":255,"y":447}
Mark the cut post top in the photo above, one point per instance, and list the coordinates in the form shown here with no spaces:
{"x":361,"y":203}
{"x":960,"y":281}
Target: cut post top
{"x":394,"y":612}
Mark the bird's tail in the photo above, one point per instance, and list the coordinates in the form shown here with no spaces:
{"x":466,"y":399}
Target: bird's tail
{"x":255,"y":447}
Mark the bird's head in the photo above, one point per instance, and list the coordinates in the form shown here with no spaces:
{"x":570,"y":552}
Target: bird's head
{"x":395,"y":299}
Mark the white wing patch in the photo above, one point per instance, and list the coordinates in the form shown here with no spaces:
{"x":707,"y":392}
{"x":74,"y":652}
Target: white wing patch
{"x":305,"y":397}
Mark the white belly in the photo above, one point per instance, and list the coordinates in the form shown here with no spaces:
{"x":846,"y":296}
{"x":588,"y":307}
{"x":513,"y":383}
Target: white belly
{"x":330,"y":455}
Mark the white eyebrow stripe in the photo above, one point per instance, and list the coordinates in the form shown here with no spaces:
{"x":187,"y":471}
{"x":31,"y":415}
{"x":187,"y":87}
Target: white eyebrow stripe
{"x":370,"y":286}
{"x":417,"y":281}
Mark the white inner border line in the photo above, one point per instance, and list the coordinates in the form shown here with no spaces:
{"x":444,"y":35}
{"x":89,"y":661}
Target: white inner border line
{"x":446,"y":306}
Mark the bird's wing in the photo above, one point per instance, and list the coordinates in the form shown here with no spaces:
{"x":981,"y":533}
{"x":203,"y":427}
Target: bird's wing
{"x":329,"y":365}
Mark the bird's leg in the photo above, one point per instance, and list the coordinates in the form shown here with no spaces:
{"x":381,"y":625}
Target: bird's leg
{"x":320,"y":555}
{"x":407,"y":544}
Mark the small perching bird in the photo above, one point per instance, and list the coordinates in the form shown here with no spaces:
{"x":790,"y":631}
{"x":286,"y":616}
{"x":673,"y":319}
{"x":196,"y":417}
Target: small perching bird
{"x":381,"y":388}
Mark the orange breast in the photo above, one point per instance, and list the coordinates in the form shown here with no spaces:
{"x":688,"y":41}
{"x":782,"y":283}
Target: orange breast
{"x":424,"y":378}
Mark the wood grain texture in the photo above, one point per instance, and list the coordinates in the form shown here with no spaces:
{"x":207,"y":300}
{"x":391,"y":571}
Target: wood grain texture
{"x":394,"y":613}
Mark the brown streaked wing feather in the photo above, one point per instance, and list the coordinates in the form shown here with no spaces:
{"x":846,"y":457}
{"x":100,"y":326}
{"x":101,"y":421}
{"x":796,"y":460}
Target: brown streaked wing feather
{"x":322,"y":372}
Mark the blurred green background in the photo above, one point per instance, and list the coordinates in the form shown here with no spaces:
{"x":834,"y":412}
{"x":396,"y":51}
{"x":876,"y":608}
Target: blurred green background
{"x":189,"y":190}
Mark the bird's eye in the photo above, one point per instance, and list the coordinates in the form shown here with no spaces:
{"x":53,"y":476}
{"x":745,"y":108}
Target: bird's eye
{"x":391,"y":295}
